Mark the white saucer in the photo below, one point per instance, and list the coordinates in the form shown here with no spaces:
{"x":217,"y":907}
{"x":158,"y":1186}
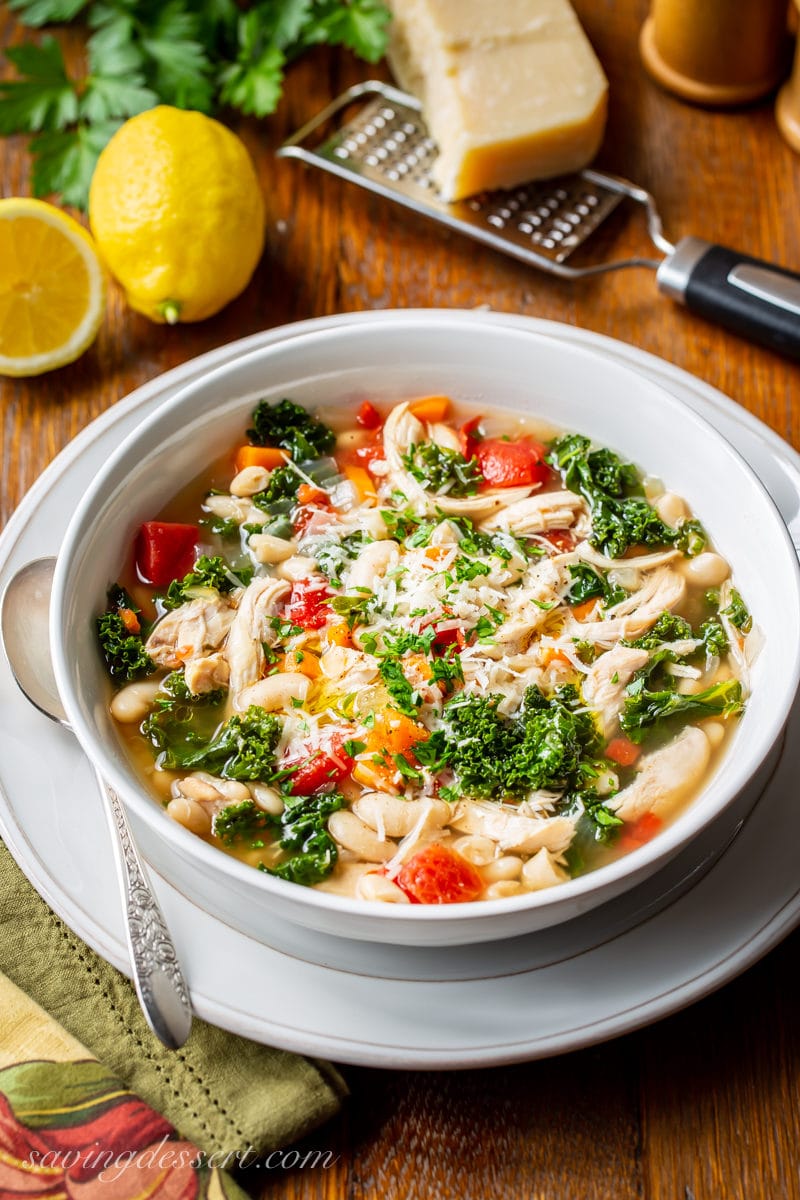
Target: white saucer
{"x":708,"y":916}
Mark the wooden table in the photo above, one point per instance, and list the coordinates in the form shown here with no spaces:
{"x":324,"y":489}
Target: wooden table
{"x":702,"y":1105}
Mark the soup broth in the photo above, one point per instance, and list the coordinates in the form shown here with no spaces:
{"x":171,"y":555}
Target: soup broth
{"x":425,"y":655}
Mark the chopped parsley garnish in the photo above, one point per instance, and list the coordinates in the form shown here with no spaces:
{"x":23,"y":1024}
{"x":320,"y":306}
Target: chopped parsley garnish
{"x":406,"y":698}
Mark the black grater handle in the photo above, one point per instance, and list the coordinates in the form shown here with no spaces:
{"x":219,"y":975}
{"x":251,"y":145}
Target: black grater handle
{"x":747,"y":295}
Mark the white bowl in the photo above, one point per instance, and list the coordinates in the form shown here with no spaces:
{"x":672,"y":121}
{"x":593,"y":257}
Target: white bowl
{"x":404,"y":354}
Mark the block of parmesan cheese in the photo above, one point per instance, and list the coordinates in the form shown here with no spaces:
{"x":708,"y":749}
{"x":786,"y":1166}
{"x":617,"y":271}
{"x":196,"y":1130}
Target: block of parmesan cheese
{"x":511,"y":92}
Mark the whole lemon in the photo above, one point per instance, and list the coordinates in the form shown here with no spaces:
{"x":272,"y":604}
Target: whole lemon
{"x":177,"y":213}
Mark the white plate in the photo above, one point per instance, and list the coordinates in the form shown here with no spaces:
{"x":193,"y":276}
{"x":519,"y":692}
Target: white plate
{"x":704,"y":919}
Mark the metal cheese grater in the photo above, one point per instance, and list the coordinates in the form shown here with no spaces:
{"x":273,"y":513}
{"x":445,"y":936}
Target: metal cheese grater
{"x":375,"y":136}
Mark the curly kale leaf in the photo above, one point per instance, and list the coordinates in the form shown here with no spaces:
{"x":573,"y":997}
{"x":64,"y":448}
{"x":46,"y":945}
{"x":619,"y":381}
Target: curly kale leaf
{"x":242,"y":748}
{"x":283,"y":484}
{"x":647,"y":709}
{"x":668,"y":628}
{"x":738,"y":613}
{"x":207,"y":572}
{"x":621,"y":516}
{"x":586,"y":583}
{"x":120,"y":635}
{"x":547,"y":745}
{"x":289,"y":426}
{"x":304,"y":833}
{"x":443,"y":471}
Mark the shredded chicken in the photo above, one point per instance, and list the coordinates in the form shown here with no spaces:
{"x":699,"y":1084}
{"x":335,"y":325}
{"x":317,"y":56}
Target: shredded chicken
{"x":665,"y":776}
{"x":192,"y":631}
{"x":662,"y":590}
{"x":605,"y":682}
{"x":250,"y":629}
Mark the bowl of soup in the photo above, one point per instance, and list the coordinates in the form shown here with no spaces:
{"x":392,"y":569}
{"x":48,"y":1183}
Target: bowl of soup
{"x":423,"y":630}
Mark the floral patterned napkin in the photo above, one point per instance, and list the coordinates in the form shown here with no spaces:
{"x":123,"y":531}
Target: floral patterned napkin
{"x":221,"y":1092}
{"x":71,"y":1130}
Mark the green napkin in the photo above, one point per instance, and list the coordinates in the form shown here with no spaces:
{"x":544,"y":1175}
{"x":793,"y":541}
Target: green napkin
{"x":223,"y":1092}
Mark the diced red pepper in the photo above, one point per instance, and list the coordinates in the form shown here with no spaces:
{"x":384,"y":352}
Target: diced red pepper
{"x":308,"y":604}
{"x":562,"y":540}
{"x":324,"y":766}
{"x":640,"y":832}
{"x":165,"y":551}
{"x":439,"y":875}
{"x":467,"y":437}
{"x":509,"y":464}
{"x":368,"y":416}
{"x":623,"y":751}
{"x":367,"y":454}
{"x":449,"y":637}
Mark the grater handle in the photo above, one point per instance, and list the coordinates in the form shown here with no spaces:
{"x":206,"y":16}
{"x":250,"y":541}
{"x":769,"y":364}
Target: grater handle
{"x":747,"y":295}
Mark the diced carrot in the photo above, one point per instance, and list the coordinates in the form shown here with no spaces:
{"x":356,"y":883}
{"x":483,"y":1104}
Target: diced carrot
{"x":268,"y":457}
{"x":623,"y":751}
{"x":300,"y":662}
{"x":551,"y":654}
{"x":437,"y":552}
{"x":308,"y":494}
{"x":430,"y":408}
{"x":640,"y":832}
{"x":363,"y":484}
{"x":129,"y":620}
{"x":339,"y":635}
{"x":581,"y":611}
{"x":420,"y":664}
{"x":376,"y":776}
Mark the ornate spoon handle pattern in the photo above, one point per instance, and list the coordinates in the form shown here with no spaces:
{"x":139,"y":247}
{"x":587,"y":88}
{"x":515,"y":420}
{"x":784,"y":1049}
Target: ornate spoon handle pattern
{"x":157,"y":974}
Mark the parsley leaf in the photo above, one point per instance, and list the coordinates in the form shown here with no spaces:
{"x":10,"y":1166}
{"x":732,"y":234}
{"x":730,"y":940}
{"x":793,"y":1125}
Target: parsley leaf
{"x":45,"y":96}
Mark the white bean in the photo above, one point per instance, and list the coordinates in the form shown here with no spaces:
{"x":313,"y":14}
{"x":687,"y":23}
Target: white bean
{"x":671,"y":508}
{"x":475,"y":849}
{"x":195,"y":789}
{"x":372,"y":886}
{"x":714,"y":731}
{"x":706,"y":570}
{"x":275,"y":692}
{"x":506,"y":867}
{"x":190,"y":814}
{"x":502,"y":889}
{"x":374,"y":560}
{"x":270,"y":549}
{"x":267,"y":798}
{"x":298,"y":567}
{"x":134,"y":701}
{"x":345,"y":827}
{"x":396,"y":816}
{"x":249,"y":481}
{"x":232,"y":508}
{"x":541,"y":871}
{"x":231,"y":789}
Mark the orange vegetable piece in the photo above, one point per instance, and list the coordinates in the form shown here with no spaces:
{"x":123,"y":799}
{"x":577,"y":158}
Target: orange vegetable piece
{"x":430,"y":408}
{"x":640,"y":832}
{"x":129,"y":620}
{"x":339,"y":635}
{"x":362,"y":483}
{"x":308,"y":494}
{"x":268,"y":457}
{"x":439,"y":875}
{"x":581,"y":611}
{"x":553,"y":655}
{"x":623,"y":751}
{"x":307,"y":665}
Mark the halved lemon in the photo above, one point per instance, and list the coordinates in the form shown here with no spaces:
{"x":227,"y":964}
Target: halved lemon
{"x":52,"y":288}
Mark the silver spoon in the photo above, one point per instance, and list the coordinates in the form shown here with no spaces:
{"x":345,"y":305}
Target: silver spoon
{"x":157,"y":975}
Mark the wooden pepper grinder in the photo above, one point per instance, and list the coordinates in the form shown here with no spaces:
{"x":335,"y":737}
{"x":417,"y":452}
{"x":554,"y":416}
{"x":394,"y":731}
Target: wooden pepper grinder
{"x":787,"y":107}
{"x":716,"y":52}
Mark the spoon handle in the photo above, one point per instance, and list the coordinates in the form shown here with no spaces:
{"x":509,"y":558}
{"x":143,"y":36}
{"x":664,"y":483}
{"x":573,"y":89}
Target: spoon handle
{"x":157,"y":974}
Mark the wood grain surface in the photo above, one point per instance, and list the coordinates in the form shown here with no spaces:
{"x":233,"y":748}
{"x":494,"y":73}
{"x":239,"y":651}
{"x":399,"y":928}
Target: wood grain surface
{"x":703,"y":1106}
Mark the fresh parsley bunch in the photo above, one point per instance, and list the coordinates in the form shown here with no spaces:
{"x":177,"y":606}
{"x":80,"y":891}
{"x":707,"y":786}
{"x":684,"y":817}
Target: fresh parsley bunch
{"x":203,"y":55}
